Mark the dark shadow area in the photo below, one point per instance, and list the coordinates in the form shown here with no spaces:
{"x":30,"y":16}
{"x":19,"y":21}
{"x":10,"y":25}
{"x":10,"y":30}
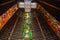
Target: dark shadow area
{"x":54,"y":12}
{"x":3,"y":1}
{"x":4,"y":8}
{"x":53,"y":2}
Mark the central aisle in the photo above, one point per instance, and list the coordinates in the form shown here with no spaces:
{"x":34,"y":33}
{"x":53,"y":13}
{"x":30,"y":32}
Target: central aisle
{"x":18,"y":31}
{"x":40,"y":29}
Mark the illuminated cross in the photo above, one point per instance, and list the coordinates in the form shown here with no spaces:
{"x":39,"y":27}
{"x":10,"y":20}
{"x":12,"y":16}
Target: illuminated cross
{"x":27,"y":5}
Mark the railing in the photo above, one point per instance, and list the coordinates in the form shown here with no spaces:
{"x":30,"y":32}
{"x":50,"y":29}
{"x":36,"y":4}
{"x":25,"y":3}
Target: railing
{"x":54,"y":24}
{"x":7,"y":15}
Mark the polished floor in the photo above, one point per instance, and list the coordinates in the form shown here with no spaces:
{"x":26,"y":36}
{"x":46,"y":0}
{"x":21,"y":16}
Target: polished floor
{"x":40,"y":29}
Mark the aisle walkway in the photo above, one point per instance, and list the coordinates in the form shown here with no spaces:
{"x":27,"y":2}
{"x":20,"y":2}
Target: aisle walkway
{"x":40,"y":32}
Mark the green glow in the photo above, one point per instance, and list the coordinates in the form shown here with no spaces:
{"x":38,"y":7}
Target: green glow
{"x":30,"y":35}
{"x":27,"y":32}
{"x":26,"y":27}
{"x":55,"y":21}
{"x":26,"y":15}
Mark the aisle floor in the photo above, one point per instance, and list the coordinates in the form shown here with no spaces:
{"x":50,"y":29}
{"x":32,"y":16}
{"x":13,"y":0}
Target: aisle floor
{"x":17,"y":32}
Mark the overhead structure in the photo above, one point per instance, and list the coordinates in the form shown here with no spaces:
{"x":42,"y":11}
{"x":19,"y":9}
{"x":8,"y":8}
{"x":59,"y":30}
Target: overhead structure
{"x":27,"y":5}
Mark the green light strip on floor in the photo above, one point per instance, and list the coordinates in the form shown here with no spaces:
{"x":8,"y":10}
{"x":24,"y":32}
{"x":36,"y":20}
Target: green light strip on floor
{"x":27,"y":32}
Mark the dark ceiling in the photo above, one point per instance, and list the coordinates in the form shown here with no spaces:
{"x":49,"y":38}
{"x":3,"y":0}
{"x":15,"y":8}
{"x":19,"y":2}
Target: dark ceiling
{"x":53,"y":2}
{"x":53,"y":11}
{"x":2,"y":1}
